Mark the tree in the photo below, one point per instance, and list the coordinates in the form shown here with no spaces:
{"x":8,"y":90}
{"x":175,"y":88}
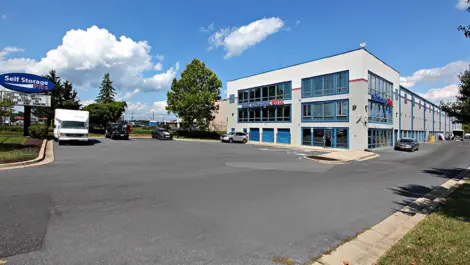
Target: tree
{"x":107,"y":91}
{"x":102,"y":113}
{"x":7,"y":107}
{"x":192,"y":98}
{"x":460,"y":109}
{"x":63,"y":96}
{"x":69,"y":97}
{"x":465,"y":29}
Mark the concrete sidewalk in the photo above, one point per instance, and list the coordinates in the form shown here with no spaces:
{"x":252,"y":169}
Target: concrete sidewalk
{"x":346,"y":156}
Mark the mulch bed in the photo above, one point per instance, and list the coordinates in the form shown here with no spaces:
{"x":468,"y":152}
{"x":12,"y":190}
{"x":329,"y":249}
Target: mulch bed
{"x":30,"y":146}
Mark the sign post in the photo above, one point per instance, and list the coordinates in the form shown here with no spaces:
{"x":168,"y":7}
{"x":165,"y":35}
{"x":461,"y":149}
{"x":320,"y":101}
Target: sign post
{"x":30,"y":91}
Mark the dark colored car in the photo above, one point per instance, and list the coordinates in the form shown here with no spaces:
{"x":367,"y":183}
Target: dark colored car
{"x":116,"y":131}
{"x":161,"y":134}
{"x":407,"y":144}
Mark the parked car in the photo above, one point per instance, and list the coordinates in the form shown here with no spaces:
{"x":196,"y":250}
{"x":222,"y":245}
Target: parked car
{"x":466,"y":136}
{"x":116,"y":130}
{"x":234,"y":137}
{"x":407,"y":144}
{"x":161,"y":134}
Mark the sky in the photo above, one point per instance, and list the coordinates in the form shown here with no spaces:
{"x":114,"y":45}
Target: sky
{"x":145,"y":44}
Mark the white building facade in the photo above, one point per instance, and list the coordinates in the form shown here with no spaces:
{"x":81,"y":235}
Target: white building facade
{"x":351,"y":100}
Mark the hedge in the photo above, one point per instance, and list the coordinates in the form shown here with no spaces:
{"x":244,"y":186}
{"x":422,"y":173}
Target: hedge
{"x":38,"y":131}
{"x":198,"y":134}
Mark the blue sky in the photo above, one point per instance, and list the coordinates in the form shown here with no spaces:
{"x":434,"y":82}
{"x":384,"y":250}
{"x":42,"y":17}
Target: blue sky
{"x":82,"y":40}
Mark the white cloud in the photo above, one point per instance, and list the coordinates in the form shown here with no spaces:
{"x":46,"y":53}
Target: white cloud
{"x":297,"y":23}
{"x":462,"y":4}
{"x":130,"y":94}
{"x":209,"y":28}
{"x":140,"y":110}
{"x":87,"y":102}
{"x":84,"y":56}
{"x":4,"y":17}
{"x":446,"y":73}
{"x":9,"y":50}
{"x":237,"y":40}
{"x":158,"y":67}
{"x":446,"y":93}
{"x":158,"y":107}
{"x":160,"y":57}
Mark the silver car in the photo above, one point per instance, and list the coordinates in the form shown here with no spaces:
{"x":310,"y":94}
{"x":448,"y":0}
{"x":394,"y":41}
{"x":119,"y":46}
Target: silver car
{"x":234,"y":137}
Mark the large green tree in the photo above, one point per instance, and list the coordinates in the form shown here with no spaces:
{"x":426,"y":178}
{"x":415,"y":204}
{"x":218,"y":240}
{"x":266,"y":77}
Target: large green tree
{"x":460,"y":109}
{"x":101,"y":113}
{"x":192,"y":98}
{"x":107,"y":91}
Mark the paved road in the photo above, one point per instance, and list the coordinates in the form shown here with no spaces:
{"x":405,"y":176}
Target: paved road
{"x":152,"y":202}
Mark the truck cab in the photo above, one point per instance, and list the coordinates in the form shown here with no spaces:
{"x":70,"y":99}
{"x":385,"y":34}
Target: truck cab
{"x":71,"y":125}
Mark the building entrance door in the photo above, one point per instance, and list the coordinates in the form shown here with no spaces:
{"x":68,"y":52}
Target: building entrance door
{"x":328,"y":138}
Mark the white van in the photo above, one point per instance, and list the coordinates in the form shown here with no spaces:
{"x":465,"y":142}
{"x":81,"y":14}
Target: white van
{"x":71,"y":125}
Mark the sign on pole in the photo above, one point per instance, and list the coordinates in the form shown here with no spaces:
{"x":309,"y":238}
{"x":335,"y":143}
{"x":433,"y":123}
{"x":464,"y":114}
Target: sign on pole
{"x":23,"y":99}
{"x":26,"y":83}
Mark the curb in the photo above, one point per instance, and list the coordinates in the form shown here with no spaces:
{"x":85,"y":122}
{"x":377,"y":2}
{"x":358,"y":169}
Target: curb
{"x":306,"y":148}
{"x":370,"y":245}
{"x":195,"y":140}
{"x":46,"y":156}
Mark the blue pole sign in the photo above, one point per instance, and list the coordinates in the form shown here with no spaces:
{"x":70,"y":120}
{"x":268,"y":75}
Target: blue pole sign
{"x":26,"y":83}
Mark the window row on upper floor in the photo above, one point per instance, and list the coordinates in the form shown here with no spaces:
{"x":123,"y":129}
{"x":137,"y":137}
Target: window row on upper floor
{"x":325,"y":111}
{"x":266,"y":93}
{"x":380,"y":86}
{"x":326,"y":85}
{"x":268,"y":114}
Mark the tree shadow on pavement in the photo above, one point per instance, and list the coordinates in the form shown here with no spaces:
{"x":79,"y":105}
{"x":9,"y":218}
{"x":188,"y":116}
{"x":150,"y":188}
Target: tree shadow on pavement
{"x":411,"y":192}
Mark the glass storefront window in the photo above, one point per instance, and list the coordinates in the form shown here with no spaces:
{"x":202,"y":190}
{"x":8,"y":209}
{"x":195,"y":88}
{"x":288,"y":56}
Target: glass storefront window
{"x":342,"y":138}
{"x":318,"y":137}
{"x":306,"y":136}
{"x":379,"y":138}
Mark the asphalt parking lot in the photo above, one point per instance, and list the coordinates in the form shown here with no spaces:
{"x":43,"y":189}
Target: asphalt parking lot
{"x":175,"y":202}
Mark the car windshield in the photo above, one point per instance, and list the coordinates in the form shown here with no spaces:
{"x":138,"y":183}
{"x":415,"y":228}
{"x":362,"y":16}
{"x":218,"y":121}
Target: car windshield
{"x":406,"y":140}
{"x":73,"y":125}
{"x":119,"y":127}
{"x":230,"y":133}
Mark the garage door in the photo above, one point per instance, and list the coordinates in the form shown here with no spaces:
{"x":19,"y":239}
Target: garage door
{"x":268,"y":135}
{"x":283,"y":136}
{"x":254,"y":134}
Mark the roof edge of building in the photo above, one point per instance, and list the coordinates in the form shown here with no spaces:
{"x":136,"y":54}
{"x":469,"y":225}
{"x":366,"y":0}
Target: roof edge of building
{"x":318,"y":59}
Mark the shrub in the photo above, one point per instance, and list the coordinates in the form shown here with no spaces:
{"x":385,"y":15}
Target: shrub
{"x":198,"y":134}
{"x":141,"y":130}
{"x":38,"y":131}
{"x":11,"y":128}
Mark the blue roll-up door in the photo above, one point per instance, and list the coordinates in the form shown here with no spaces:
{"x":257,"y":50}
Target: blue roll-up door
{"x":283,"y":136}
{"x":254,"y":134}
{"x":268,"y":135}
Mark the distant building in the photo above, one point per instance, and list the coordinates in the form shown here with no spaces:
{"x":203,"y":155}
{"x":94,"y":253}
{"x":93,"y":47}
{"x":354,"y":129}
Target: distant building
{"x":219,"y":123}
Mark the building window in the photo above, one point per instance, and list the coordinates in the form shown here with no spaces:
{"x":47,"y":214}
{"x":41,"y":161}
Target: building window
{"x":380,"y":86}
{"x":341,"y":110}
{"x":283,"y":113}
{"x":243,"y":96}
{"x":379,"y":138}
{"x":231,"y":99}
{"x":269,"y":114}
{"x":325,"y":111}
{"x":325,"y":137}
{"x":307,"y":111}
{"x":380,"y":113}
{"x":330,"y":84}
{"x":306,"y":136}
{"x":266,"y":93}
{"x":342,"y":138}
{"x":406,"y":98}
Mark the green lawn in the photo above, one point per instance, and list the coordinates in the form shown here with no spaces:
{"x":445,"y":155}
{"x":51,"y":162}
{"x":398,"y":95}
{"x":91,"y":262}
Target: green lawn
{"x":12,"y":148}
{"x":441,"y":238}
{"x":11,"y":138}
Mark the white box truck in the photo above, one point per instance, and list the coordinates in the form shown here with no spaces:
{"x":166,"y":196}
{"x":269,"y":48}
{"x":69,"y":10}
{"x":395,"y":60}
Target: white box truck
{"x":71,"y":125}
